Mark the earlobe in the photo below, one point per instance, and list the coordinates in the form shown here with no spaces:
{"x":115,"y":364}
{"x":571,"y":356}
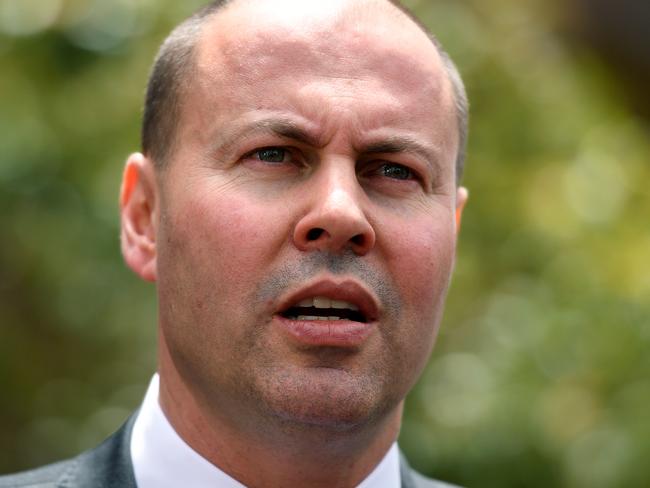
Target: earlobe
{"x":461,"y":199}
{"x":139,"y":216}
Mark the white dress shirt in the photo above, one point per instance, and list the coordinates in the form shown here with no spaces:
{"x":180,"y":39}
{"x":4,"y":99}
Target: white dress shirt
{"x":162,"y":459}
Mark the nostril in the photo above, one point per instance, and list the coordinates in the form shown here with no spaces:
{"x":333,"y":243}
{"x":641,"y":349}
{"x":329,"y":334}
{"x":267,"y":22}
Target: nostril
{"x":314,"y":234}
{"x":358,"y":240}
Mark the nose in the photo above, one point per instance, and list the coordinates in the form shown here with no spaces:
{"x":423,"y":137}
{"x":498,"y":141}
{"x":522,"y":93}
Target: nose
{"x":335,"y":220}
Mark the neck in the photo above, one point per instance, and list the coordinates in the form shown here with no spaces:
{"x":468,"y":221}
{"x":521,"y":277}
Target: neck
{"x":263,"y":452}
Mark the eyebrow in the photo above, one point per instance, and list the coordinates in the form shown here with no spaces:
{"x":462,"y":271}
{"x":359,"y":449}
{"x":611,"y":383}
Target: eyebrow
{"x":284,"y":128}
{"x":404,"y":144}
{"x":289,"y":129}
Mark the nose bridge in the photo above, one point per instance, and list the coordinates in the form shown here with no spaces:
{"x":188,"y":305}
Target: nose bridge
{"x":337,"y":187}
{"x":336,"y":215}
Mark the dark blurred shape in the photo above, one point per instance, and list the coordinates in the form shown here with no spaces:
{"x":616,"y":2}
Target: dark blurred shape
{"x":620,"y":32}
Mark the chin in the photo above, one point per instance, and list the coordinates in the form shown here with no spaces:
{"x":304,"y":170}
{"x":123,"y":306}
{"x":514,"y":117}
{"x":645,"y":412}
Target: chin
{"x":325,"y":399}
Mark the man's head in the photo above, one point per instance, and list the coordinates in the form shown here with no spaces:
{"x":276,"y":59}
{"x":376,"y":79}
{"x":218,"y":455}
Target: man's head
{"x":173,"y":70}
{"x":302,"y":231}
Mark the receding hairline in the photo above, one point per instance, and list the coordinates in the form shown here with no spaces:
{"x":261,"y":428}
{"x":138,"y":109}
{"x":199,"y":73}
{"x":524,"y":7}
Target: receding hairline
{"x":177,"y":59}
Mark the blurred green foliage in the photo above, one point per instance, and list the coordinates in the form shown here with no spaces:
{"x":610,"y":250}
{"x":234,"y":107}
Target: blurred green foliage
{"x":541,"y":376}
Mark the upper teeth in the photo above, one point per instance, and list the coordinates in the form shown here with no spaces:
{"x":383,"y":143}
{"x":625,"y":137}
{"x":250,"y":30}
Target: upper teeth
{"x":324,"y":302}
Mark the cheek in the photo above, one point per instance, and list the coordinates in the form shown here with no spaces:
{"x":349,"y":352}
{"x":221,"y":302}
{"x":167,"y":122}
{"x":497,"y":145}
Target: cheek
{"x":231,"y":233}
{"x":214,"y":249}
{"x":217,"y":247}
{"x":421,"y":259}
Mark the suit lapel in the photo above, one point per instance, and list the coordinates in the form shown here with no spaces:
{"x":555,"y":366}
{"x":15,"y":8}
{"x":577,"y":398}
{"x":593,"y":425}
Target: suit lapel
{"x":107,"y":466}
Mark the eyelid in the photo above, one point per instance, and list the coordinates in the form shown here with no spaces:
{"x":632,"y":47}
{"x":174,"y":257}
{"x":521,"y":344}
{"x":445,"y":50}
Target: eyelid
{"x":293,"y":155}
{"x":270,"y":148}
{"x":377,"y":163}
{"x":259,"y":149}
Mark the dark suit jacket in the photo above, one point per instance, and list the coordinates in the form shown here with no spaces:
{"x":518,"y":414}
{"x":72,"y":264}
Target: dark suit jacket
{"x":109,"y":466}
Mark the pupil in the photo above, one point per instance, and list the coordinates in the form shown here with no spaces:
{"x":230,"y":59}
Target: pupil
{"x":272,"y":155}
{"x":398,"y":172}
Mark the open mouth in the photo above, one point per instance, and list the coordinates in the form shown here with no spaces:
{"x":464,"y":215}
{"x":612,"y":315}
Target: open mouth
{"x":323,"y":308}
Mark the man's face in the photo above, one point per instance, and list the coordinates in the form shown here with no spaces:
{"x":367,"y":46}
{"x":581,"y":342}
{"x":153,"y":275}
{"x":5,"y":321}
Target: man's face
{"x":314,"y":167}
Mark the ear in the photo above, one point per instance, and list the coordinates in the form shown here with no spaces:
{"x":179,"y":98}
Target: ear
{"x":461,"y":199}
{"x":139,"y":216}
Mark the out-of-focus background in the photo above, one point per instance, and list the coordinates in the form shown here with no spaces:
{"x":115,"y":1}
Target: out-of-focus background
{"x":541,"y":376}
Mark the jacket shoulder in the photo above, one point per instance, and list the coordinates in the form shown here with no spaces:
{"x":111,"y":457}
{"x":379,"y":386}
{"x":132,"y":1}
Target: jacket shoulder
{"x":43,"y":477}
{"x":106,"y":466}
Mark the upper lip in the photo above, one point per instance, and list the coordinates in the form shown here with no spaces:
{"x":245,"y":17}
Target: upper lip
{"x":348,"y":290}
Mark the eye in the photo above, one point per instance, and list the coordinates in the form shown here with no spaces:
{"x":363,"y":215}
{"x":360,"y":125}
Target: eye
{"x":395,"y":171}
{"x":274,"y":159}
{"x":271,"y":154}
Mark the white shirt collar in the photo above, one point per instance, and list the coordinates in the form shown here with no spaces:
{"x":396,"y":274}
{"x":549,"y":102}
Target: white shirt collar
{"x":162,"y":459}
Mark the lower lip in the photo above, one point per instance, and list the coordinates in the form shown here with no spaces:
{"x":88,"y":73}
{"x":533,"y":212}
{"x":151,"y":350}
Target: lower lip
{"x":333,"y":333}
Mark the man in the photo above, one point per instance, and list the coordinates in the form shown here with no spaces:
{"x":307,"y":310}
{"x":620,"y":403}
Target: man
{"x":297,"y":204}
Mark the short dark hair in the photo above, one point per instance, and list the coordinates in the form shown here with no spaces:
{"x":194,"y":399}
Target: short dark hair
{"x":168,"y":78}
{"x":170,"y":75}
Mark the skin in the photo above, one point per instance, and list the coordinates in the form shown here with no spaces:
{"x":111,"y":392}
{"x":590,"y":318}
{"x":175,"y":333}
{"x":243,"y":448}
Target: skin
{"x":356,"y":102}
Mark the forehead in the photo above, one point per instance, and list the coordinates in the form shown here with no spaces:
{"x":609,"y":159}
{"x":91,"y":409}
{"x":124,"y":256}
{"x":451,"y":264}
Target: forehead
{"x":308,"y":57}
{"x":333,"y":38}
